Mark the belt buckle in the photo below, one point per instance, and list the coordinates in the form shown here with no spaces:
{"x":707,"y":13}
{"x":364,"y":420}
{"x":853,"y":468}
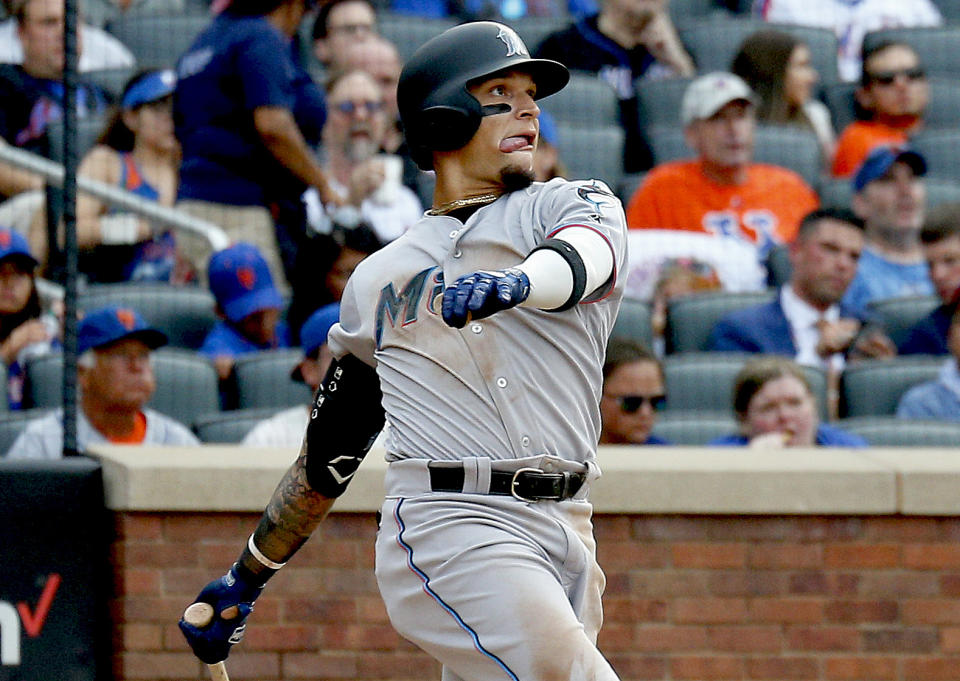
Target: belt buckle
{"x":515,"y":479}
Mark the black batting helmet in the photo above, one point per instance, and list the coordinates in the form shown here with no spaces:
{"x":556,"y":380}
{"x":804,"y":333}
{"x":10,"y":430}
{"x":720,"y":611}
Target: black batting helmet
{"x":437,"y":111}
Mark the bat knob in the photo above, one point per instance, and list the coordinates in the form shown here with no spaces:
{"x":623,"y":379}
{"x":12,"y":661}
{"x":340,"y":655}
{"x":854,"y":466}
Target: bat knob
{"x":198,"y":615}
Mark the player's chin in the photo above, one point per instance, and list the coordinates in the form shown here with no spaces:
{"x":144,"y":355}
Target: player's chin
{"x":516,"y":177}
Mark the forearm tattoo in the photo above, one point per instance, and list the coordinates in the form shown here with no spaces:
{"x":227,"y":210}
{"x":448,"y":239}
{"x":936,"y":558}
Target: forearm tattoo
{"x":290,"y":518}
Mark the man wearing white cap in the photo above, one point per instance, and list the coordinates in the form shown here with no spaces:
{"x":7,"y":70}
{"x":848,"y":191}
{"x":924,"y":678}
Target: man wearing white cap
{"x":722,"y":192}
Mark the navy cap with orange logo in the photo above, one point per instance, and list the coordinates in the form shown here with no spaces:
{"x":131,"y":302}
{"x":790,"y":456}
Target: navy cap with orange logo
{"x":113,"y":324}
{"x":240,"y":280}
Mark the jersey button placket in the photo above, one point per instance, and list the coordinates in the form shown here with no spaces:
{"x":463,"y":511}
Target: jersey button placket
{"x":501,"y":382}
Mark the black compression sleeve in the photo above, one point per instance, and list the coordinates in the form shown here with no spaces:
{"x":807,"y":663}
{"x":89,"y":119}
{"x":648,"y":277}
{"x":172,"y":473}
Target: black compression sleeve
{"x":346,"y":418}
{"x":569,"y":253}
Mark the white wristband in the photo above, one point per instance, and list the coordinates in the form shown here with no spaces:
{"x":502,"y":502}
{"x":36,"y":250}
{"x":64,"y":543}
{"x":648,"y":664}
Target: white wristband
{"x":121,"y":228}
{"x":266,"y":562}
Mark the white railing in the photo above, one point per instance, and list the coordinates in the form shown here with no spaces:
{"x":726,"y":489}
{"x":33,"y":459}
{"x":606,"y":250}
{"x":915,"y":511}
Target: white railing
{"x":52,"y":172}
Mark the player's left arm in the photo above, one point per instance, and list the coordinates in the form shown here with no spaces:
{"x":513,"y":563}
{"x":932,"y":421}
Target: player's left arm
{"x":346,"y":418}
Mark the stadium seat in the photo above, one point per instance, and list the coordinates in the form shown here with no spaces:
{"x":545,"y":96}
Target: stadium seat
{"x":841,"y":101}
{"x":704,"y":381}
{"x":694,"y":428}
{"x":263,"y":380}
{"x":633,"y":322}
{"x":786,"y":146}
{"x":690,"y":319}
{"x":408,"y":32}
{"x":889,"y":431}
{"x":941,"y":148}
{"x":111,"y":80}
{"x":683,"y":12}
{"x":713,"y":43}
{"x":838,"y":192}
{"x":186,"y":314}
{"x":778,"y":264}
{"x":230,"y":426}
{"x":585,"y":101}
{"x":874,"y":387}
{"x":938,"y":47}
{"x":950,"y":9}
{"x":88,"y":130}
{"x":897,"y":315}
{"x":43,"y":382}
{"x":187,"y":384}
{"x":659,"y":100}
{"x":592,"y":152}
{"x":532,"y":29}
{"x":12,"y":424}
{"x":629,"y":184}
{"x":159,"y":40}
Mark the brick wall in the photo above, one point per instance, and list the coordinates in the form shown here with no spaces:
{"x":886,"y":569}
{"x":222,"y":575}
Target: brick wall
{"x":688,"y":598}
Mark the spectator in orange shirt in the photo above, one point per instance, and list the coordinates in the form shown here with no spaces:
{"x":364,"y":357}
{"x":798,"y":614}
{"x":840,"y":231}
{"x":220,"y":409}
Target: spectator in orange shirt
{"x":722,"y":192}
{"x":892,"y":97}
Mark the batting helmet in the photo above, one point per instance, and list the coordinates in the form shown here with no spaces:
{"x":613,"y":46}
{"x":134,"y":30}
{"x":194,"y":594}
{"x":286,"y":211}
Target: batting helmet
{"x":437,"y":111}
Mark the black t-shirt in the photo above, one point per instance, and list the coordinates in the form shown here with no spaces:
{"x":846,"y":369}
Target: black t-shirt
{"x":582,"y":47}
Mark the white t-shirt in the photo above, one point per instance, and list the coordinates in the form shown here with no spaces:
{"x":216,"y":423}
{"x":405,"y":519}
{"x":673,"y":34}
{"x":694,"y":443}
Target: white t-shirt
{"x":283,"y":429}
{"x":100,"y":49}
{"x":850,"y":20}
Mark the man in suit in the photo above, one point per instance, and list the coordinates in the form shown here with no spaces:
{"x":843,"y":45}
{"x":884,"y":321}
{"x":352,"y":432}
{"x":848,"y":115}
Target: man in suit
{"x":805,"y":321}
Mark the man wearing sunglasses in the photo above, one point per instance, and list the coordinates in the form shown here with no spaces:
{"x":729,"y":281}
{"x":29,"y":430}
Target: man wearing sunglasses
{"x":893,"y":95}
{"x":358,"y":173}
{"x":634,"y":393}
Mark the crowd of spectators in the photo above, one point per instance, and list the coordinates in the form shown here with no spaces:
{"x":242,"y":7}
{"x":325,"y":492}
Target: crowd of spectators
{"x":279,"y":124}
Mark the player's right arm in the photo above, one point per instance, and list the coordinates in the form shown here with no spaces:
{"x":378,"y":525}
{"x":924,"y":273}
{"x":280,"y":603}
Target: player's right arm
{"x":346,"y":418}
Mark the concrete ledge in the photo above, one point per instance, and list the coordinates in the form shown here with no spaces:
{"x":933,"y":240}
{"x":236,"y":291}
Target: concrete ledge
{"x":635,"y":480}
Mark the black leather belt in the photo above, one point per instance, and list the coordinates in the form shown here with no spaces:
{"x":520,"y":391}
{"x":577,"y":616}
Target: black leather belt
{"x":525,"y":484}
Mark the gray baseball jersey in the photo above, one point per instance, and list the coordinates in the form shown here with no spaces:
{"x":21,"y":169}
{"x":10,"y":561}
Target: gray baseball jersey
{"x":491,"y":586}
{"x":519,"y":383}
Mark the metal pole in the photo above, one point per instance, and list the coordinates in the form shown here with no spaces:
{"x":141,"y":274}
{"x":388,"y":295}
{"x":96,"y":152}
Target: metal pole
{"x":70,"y":447}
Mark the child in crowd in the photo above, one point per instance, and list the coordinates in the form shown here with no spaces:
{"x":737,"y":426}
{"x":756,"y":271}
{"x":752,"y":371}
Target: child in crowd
{"x":249,"y":304}
{"x":26,"y":330}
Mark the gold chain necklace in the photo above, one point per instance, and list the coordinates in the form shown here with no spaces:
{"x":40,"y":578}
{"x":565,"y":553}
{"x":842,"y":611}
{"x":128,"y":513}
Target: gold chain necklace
{"x":463,"y":203}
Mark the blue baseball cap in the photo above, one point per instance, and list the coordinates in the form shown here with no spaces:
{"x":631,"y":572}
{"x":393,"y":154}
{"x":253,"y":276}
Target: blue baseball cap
{"x":14,"y":245}
{"x":240,"y":280}
{"x":151,"y":87}
{"x":881,"y":159}
{"x":313,"y":333}
{"x":116,"y":323}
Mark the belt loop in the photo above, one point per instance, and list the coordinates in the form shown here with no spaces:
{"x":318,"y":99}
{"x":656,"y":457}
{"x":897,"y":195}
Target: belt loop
{"x":483,"y":475}
{"x":471,"y":475}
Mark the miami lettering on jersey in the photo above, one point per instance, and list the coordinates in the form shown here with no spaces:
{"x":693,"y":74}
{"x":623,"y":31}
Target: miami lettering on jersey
{"x":403,"y":308}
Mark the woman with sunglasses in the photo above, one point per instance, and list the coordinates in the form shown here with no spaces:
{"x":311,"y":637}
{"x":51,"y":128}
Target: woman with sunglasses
{"x":633,"y":393}
{"x":136,"y":151}
{"x":776,"y":408}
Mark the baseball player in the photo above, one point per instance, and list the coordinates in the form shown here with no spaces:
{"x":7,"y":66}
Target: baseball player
{"x":479,"y":335}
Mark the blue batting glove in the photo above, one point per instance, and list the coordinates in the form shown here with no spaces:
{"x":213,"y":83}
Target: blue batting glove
{"x":212,"y":643}
{"x":483,"y":293}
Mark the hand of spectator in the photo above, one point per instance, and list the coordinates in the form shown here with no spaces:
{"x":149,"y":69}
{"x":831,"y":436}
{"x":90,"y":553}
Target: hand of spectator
{"x":837,"y":336}
{"x":31,"y":331}
{"x":777,"y":439}
{"x":328,"y":197}
{"x":873,"y":344}
{"x":366,"y":178}
{"x":661,"y":39}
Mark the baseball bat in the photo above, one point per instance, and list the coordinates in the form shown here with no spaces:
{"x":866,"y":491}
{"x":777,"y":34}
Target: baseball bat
{"x":200,"y":615}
